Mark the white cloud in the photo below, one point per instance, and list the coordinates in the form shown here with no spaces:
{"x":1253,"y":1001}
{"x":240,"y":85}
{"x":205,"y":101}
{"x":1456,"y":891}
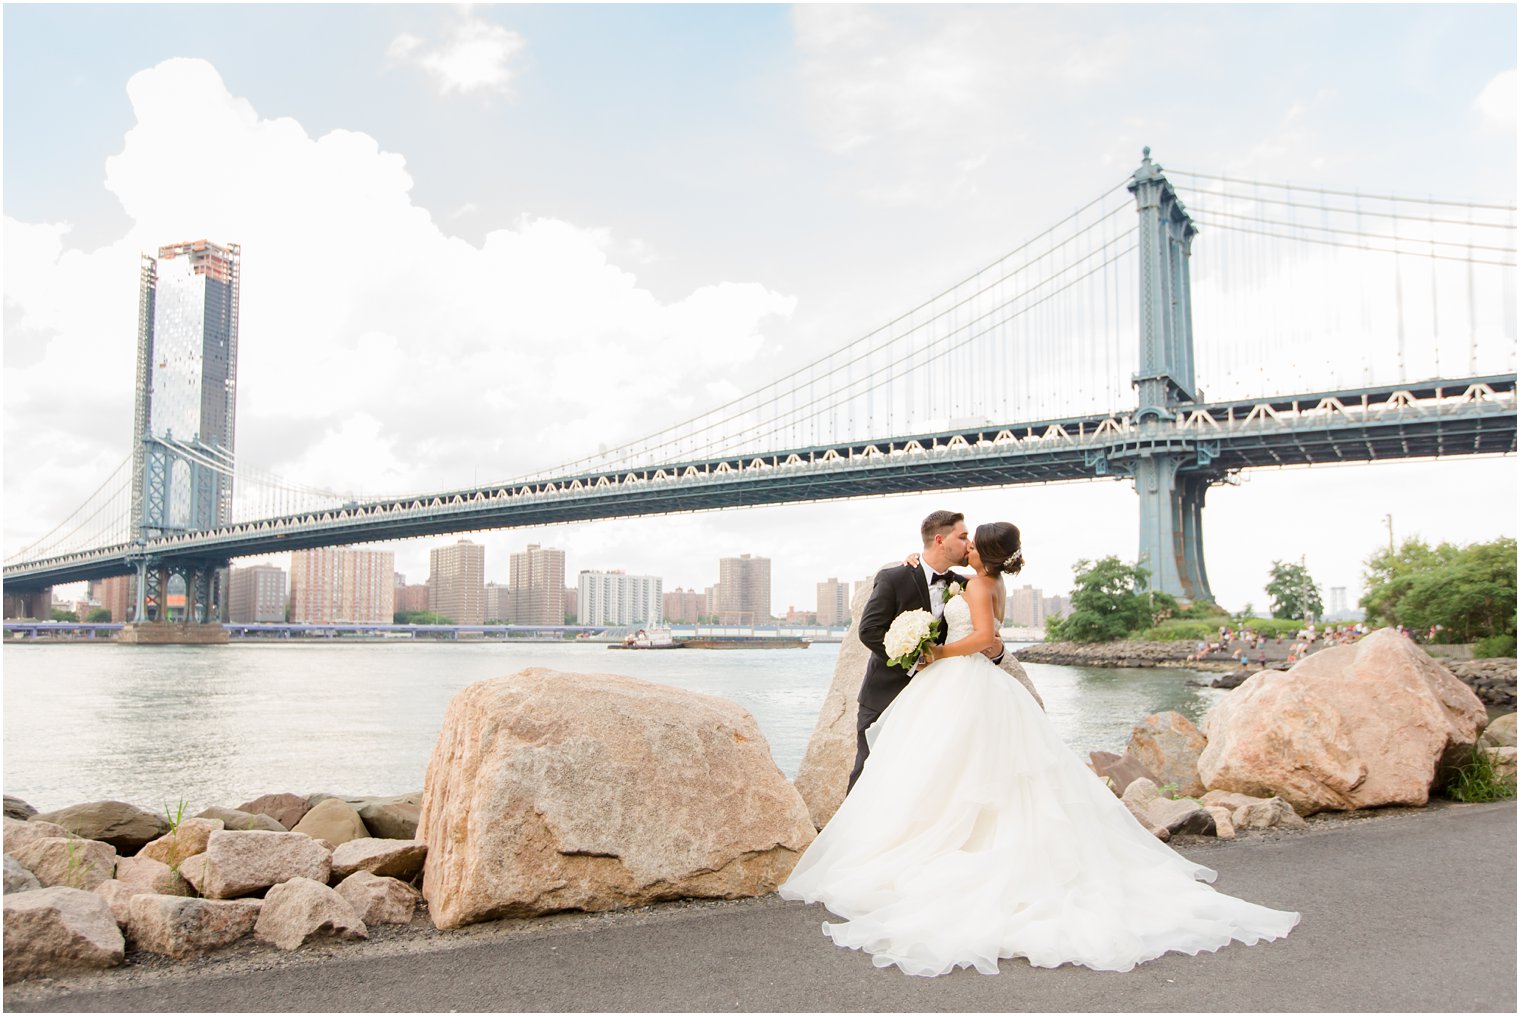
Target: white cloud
{"x":1496,"y":103}
{"x":477,"y":56}
{"x":377,"y":353}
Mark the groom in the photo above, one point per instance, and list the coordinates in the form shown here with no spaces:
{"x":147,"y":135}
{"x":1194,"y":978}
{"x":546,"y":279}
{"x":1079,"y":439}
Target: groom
{"x":901,"y":588}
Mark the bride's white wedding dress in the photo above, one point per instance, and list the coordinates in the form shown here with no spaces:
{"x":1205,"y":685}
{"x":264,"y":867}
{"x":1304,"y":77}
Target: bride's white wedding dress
{"x":975,"y":834}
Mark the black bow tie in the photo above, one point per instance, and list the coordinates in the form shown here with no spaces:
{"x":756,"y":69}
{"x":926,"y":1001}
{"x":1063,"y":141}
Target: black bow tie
{"x":945,"y":577}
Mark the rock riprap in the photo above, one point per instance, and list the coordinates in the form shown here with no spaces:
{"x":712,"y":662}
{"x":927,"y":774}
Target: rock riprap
{"x":48,"y":931}
{"x":333,"y":820}
{"x":17,"y":878}
{"x":392,"y":818}
{"x":180,"y":927}
{"x":301,"y":909}
{"x":286,"y":809}
{"x":146,"y":875}
{"x":1168,"y":745}
{"x":67,"y":861}
{"x":124,"y":826}
{"x":378,"y":899}
{"x":186,"y":840}
{"x":239,"y":863}
{"x":550,"y":791}
{"x":401,"y":859}
{"x":243,"y":821}
{"x":825,"y":770}
{"x":1358,"y":726}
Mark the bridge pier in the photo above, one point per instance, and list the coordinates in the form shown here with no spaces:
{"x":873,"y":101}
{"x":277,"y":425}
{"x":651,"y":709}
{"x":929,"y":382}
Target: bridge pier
{"x":36,"y":604}
{"x":1171,"y":525}
{"x":1170,"y":484}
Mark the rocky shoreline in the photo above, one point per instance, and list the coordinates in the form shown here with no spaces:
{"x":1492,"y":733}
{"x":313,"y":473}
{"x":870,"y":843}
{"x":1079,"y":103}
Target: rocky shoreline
{"x":600,"y":794}
{"x":1492,"y":680}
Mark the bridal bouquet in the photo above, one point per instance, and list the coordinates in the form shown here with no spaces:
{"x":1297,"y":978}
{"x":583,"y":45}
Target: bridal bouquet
{"x":909,"y":634}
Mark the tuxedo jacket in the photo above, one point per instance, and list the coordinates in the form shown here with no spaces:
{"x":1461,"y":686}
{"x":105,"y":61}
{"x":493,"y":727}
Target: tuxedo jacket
{"x":898,"y":588}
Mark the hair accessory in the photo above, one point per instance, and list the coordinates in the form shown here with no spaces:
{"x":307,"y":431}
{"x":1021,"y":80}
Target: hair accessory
{"x":1014,"y":558}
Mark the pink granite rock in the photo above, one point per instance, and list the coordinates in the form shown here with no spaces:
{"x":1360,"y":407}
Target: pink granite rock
{"x":241,"y":863}
{"x":1374,"y":723}
{"x":1168,"y":745}
{"x":393,"y":858}
{"x":297,"y":911}
{"x":379,"y":900}
{"x":179,"y":927}
{"x":549,"y":791}
{"x":49,"y":931}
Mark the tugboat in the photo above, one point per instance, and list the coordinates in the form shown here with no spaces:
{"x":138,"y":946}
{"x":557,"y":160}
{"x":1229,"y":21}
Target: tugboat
{"x":649,"y":638}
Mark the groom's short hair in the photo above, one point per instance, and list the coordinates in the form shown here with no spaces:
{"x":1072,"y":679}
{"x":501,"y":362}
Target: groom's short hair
{"x":936,"y":523}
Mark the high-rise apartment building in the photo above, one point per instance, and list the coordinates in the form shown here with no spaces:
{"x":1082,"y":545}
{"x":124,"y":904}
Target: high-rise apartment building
{"x":1026,"y":607}
{"x":537,"y":584}
{"x":744,"y":590}
{"x":613,"y":597}
{"x":116,"y":594}
{"x":1057,"y":606}
{"x":183,"y":422}
{"x":498,"y":603}
{"x":457,"y":582}
{"x":572,"y":602}
{"x":684,"y":606}
{"x":342,"y":585}
{"x":258,"y":594}
{"x":412,"y":599}
{"x":833,"y":603}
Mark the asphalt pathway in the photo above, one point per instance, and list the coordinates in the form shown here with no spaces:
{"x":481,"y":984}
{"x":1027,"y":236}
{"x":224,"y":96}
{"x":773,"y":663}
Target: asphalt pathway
{"x":1408,"y":913}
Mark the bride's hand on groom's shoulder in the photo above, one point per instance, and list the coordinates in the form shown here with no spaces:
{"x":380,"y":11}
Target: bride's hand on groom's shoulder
{"x":911,"y":561}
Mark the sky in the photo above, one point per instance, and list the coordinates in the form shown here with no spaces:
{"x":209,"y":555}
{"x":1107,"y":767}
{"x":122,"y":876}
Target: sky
{"x":483,"y":240}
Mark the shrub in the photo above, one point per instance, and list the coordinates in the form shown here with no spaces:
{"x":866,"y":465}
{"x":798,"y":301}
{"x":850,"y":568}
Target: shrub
{"x":1494,"y":646}
{"x":1180,"y":631}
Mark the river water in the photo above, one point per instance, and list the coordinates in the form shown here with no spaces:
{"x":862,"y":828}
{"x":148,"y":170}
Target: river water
{"x":224,"y":724}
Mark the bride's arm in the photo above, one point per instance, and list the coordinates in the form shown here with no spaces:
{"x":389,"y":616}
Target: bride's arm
{"x":978,"y":596}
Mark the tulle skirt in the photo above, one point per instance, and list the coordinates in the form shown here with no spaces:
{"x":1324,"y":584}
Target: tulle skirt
{"x":975,"y":834}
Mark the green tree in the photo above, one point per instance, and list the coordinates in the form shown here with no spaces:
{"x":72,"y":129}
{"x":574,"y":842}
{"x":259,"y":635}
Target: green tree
{"x":1389,"y":575}
{"x":63,"y":615}
{"x":420,"y":617}
{"x":100,"y":615}
{"x":1467,"y":593}
{"x":1292,"y":591}
{"x":1108,"y":601}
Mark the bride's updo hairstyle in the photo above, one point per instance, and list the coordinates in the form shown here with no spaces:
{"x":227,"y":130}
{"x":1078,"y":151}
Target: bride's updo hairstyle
{"x":998,"y":545}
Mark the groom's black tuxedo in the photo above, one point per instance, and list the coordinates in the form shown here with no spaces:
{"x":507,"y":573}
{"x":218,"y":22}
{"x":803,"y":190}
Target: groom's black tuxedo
{"x":898,"y":588}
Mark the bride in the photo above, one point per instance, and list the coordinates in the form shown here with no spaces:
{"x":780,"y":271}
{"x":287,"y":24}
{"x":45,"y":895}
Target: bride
{"x":974,"y":834}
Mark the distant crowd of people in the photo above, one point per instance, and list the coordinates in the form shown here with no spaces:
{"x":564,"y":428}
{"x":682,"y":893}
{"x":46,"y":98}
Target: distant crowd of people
{"x":1247,"y":644}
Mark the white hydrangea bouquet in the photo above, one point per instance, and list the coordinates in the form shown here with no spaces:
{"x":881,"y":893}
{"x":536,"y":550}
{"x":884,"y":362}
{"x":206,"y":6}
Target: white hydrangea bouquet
{"x":909,"y":634}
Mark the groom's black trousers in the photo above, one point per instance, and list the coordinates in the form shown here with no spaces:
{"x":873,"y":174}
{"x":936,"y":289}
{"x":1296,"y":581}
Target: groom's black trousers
{"x":864,"y":718}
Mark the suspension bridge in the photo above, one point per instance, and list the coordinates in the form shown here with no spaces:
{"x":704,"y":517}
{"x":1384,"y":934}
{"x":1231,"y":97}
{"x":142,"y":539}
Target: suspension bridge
{"x":1071,"y":357}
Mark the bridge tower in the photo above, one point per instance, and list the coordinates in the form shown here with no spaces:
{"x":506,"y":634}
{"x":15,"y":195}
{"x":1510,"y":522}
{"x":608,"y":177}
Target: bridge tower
{"x":1171,"y":476}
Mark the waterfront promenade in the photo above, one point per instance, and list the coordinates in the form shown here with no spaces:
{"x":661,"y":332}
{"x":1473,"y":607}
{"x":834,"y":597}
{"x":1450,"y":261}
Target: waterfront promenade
{"x":1403,"y":910}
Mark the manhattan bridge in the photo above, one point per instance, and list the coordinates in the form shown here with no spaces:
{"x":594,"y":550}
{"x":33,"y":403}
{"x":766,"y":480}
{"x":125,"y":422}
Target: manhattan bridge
{"x":1107,"y":349}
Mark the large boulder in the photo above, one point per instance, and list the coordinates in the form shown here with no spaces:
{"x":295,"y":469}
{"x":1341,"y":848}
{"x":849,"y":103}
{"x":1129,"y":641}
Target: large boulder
{"x":124,"y":826}
{"x":49,"y":931}
{"x":286,"y":809}
{"x":17,"y":878}
{"x":243,"y":821}
{"x":1374,"y":723}
{"x":67,"y":861}
{"x":186,"y":840}
{"x":401,"y":859}
{"x":393,"y":818}
{"x":379,"y":900}
{"x":334,"y":821}
{"x":118,"y":896}
{"x":16,"y":808}
{"x":1500,"y":733}
{"x":179,"y":927}
{"x":1118,"y":771}
{"x":1168,"y":744}
{"x":1138,"y":797}
{"x":18,"y":831}
{"x":825,"y":770}
{"x":549,"y":791}
{"x":146,"y":875}
{"x":238,"y":863}
{"x":297,"y":911}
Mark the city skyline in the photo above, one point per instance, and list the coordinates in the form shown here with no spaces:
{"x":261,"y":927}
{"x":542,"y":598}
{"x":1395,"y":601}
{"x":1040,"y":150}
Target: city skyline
{"x":844,"y":127}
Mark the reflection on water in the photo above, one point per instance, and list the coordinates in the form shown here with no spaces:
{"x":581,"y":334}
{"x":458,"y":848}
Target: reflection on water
{"x":220,"y":725}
